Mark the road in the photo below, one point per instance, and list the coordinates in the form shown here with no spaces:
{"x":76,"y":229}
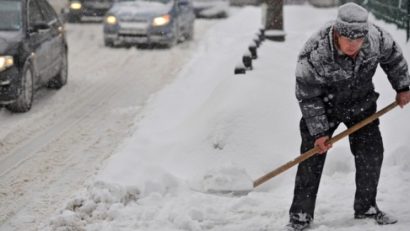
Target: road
{"x":49,"y":153}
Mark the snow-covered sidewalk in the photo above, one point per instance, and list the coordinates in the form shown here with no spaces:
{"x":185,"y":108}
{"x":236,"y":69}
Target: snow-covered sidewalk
{"x":210,"y":120}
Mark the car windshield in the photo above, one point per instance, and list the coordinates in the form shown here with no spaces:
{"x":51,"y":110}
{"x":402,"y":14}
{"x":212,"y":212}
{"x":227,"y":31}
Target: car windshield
{"x":160,"y":1}
{"x":10,"y":15}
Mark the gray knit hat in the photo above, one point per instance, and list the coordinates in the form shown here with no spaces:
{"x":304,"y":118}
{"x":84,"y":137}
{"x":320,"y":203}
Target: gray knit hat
{"x":351,"y":21}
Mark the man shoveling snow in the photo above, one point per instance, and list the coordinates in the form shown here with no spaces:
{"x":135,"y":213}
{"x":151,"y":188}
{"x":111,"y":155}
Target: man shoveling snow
{"x":334,"y":85}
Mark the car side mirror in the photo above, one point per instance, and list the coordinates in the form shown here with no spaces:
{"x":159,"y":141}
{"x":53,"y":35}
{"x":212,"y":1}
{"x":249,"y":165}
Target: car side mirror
{"x":39,"y":26}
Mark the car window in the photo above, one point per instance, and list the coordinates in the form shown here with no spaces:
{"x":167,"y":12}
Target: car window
{"x":48,"y":12}
{"x":10,"y":15}
{"x":34,"y":13}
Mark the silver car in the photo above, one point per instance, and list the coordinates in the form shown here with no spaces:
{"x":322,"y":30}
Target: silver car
{"x":162,"y":22}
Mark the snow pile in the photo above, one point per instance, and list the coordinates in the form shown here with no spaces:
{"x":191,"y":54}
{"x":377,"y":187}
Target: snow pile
{"x":101,"y":203}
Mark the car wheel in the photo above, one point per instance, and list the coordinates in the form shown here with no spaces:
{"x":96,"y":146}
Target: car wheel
{"x":61,"y":78}
{"x":25,"y":99}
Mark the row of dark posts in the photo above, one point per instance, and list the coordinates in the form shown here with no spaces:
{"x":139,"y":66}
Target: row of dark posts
{"x":251,"y":54}
{"x":272,"y":30}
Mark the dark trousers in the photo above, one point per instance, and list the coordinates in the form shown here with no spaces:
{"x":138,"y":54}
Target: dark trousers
{"x":367,"y":147}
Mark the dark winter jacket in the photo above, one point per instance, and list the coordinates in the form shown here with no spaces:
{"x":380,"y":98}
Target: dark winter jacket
{"x":330,"y":82}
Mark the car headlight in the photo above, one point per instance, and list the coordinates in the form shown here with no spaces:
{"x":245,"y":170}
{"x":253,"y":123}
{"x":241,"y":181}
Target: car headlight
{"x":6,"y":62}
{"x":160,"y":21}
{"x":75,"y":5}
{"x":111,"y":20}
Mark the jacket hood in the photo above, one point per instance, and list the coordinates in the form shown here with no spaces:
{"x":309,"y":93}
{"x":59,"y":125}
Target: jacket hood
{"x":9,"y":42}
{"x":138,"y":9}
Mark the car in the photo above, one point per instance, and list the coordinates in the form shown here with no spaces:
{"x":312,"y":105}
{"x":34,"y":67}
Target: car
{"x":33,"y":51}
{"x":135,"y":22}
{"x":91,"y":8}
{"x":211,"y":8}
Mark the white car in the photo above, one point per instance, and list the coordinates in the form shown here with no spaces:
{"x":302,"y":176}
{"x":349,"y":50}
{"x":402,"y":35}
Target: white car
{"x":211,"y":8}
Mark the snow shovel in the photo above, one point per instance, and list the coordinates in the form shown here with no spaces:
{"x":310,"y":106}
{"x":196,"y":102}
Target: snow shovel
{"x":303,"y":156}
{"x":316,"y":150}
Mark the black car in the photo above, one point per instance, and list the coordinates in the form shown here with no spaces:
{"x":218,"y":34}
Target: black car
{"x":33,"y":51}
{"x":94,"y":8}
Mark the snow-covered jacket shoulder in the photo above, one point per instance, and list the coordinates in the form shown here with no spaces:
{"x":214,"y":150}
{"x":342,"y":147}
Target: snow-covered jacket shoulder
{"x":316,"y":52}
{"x":390,"y":57}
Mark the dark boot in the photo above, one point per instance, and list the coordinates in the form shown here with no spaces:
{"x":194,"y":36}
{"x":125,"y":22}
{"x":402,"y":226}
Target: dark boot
{"x":297,"y":226}
{"x":380,"y":217}
{"x":299,"y":222}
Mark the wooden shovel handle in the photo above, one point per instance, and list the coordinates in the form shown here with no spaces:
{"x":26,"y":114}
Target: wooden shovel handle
{"x":316,"y":150}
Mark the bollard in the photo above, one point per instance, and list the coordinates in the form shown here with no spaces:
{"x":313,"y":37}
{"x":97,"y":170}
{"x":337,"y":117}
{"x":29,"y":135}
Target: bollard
{"x":252,"y":49}
{"x":261,"y":36}
{"x":262,"y":31}
{"x":257,"y":42}
{"x":247,"y":61}
{"x":240,"y":69}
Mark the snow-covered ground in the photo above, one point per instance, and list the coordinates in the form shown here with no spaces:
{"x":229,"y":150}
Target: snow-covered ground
{"x":209,"y":121}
